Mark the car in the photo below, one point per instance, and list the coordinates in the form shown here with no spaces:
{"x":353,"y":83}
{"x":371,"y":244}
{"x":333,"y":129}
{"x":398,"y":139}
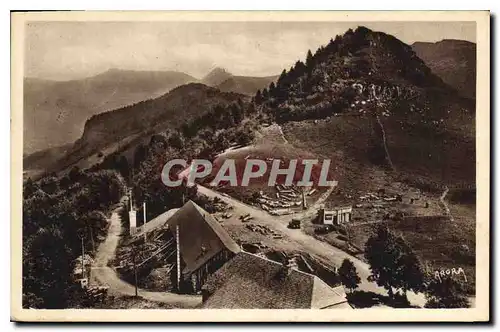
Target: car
{"x":294,"y":224}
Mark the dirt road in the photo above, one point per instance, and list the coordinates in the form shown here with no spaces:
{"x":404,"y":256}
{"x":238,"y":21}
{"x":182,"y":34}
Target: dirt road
{"x":310,"y":244}
{"x":107,"y":276}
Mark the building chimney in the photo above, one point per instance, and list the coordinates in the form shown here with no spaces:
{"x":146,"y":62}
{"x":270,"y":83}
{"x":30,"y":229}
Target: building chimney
{"x":133,"y":221}
{"x":132,"y":216}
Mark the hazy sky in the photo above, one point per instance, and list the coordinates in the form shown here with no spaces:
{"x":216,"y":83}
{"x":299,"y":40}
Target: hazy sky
{"x":68,"y":50}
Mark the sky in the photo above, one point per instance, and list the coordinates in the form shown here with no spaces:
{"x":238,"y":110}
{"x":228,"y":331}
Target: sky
{"x":72,"y":50}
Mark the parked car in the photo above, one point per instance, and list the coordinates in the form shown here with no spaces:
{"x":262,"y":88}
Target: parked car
{"x":294,"y":224}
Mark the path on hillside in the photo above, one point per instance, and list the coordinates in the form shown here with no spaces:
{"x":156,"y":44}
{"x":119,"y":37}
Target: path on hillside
{"x":444,"y":204}
{"x":384,"y":143}
{"x":311,"y":244}
{"x":107,"y":276}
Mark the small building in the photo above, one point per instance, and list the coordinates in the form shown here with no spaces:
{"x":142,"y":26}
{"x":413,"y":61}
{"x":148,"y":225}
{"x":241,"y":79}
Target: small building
{"x":336,"y":216}
{"x":249,"y":281}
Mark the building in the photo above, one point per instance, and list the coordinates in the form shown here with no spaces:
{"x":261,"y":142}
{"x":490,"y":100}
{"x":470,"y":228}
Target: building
{"x":159,"y":221}
{"x":203,"y":246}
{"x":249,"y":281}
{"x":336,"y":215}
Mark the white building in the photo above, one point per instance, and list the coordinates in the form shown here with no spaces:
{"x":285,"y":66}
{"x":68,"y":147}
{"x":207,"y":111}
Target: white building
{"x":336,"y":215}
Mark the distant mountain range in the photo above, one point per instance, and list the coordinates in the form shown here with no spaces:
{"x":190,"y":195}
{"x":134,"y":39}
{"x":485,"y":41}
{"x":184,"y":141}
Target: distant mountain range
{"x":55,"y":111}
{"x":452,"y":60}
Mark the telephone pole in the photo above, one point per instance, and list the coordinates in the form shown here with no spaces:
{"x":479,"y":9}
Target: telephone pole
{"x":81,"y":235}
{"x":135,"y":271}
{"x":144,"y":222}
{"x":83,"y":260}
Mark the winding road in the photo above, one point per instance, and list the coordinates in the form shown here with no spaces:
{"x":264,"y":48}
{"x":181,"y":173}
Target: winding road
{"x":311,"y":244}
{"x":107,"y":276}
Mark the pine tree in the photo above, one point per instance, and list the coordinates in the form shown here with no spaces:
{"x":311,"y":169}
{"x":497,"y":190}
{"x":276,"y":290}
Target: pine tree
{"x":265,"y":94}
{"x":348,"y":275}
{"x":258,"y":98}
{"x":282,"y":78}
{"x":299,"y":68}
{"x":309,"y":60}
{"x":272,"y":89}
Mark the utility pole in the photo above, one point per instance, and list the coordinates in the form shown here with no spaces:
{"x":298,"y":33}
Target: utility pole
{"x":83,"y":260}
{"x":304,"y":201}
{"x":92,"y":238}
{"x":81,"y":235}
{"x":177,"y":238}
{"x":144,"y":222}
{"x":135,"y":271}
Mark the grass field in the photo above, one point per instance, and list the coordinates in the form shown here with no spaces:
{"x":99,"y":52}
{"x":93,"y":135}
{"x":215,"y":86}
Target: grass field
{"x":354,"y":143}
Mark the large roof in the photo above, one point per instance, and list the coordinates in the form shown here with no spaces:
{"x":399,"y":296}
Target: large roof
{"x":201,"y":237}
{"x":155,"y":223}
{"x":249,"y":281}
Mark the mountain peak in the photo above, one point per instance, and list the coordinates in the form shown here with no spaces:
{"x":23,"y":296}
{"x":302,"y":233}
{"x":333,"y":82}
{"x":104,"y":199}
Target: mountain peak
{"x":216,"y":76}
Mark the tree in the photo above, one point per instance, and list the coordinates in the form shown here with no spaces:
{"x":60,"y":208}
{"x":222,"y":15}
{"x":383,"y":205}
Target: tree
{"x":265,"y":94}
{"x":309,"y":60}
{"x":123,"y":166}
{"x":139,"y":155}
{"x":282,"y":78}
{"x":258,"y":98}
{"x":29,"y":188}
{"x":393,"y":263}
{"x":446,"y":293}
{"x":272,"y":89}
{"x":299,"y":68}
{"x":74,"y":174}
{"x":176,"y":140}
{"x":348,"y":275}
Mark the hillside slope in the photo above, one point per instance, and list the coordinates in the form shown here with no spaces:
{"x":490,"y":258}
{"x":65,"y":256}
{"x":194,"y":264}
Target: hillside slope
{"x":452,"y":60}
{"x":382,"y":106}
{"x":141,"y":120}
{"x":246,"y":84}
{"x":55,"y":112}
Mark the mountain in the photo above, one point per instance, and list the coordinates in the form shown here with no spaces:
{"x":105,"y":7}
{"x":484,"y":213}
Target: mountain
{"x":369,"y":103}
{"x":109,"y":131}
{"x":246,"y":84}
{"x":55,"y":111}
{"x":216,"y":76}
{"x":452,"y":60}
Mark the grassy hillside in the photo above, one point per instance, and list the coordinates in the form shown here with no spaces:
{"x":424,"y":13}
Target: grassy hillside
{"x":452,"y":60}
